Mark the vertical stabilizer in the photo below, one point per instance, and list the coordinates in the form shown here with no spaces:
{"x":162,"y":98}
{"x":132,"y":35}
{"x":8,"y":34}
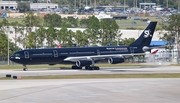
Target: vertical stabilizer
{"x":146,"y":36}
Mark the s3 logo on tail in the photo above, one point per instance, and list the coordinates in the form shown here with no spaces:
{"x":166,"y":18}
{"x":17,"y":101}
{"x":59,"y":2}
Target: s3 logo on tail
{"x":147,"y":33}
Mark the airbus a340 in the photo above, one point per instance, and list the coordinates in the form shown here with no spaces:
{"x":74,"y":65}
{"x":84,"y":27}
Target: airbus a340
{"x":85,"y":56}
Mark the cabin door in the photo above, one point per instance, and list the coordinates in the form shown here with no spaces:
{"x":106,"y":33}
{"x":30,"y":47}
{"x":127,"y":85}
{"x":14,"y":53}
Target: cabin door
{"x":98,"y":52}
{"x":26,"y":54}
{"x":55,"y":53}
{"x":132,"y":50}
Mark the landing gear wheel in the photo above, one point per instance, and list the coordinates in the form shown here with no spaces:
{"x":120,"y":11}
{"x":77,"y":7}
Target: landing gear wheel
{"x":96,"y":68}
{"x":76,"y":67}
{"x":87,"y":67}
{"x":93,"y":68}
{"x":25,"y":69}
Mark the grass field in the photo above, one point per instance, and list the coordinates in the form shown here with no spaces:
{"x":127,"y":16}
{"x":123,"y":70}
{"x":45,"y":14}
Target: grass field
{"x":13,"y":19}
{"x":127,"y":24}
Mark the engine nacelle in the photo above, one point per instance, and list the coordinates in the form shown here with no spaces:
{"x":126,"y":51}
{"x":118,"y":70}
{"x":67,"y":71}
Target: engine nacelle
{"x":115,"y":60}
{"x":145,"y":48}
{"x":81,"y":63}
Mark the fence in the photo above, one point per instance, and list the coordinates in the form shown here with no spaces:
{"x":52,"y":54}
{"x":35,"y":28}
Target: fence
{"x":4,"y":61}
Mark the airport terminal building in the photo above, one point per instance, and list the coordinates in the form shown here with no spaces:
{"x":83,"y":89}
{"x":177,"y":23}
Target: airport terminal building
{"x":35,"y":6}
{"x":8,"y":4}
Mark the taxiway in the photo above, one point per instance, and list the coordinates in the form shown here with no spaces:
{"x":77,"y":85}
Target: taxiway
{"x":156,"y":90}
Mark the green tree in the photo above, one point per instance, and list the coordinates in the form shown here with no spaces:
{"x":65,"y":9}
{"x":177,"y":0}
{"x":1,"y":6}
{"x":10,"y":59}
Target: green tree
{"x":109,"y":30}
{"x":81,"y":38}
{"x":21,"y":38}
{"x":17,"y":29}
{"x":4,"y":45}
{"x":83,"y":23}
{"x":127,"y":41}
{"x":31,"y":40}
{"x":41,"y":36}
{"x":172,"y":32}
{"x":51,"y":36}
{"x":24,"y":6}
{"x":52,"y":20}
{"x":64,"y":37}
{"x":93,"y":30}
{"x":70,"y":22}
{"x":69,"y":39}
{"x":30,"y":21}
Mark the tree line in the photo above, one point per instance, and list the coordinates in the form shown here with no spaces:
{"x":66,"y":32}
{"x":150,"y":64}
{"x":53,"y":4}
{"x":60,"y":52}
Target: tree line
{"x":35,"y":31}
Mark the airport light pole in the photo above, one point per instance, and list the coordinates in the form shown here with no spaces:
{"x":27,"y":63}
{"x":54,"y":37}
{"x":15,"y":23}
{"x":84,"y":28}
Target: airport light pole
{"x":37,"y":6}
{"x":178,"y":5}
{"x":94,"y":4}
{"x":79,"y":3}
{"x":90,"y":3}
{"x":47,"y":5}
{"x":8,"y":47}
{"x":124,"y":5}
{"x":8,"y":33}
{"x":176,"y":28}
{"x":75,"y":4}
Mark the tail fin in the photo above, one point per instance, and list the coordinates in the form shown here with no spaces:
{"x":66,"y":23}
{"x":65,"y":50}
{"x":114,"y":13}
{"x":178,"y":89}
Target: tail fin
{"x":146,"y":36}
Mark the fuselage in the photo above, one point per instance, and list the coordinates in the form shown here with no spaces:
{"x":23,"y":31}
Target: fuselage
{"x":58,"y":55}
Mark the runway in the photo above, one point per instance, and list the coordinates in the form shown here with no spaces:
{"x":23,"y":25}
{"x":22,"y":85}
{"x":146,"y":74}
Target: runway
{"x":90,"y":91}
{"x":103,"y":70}
{"x":156,"y":90}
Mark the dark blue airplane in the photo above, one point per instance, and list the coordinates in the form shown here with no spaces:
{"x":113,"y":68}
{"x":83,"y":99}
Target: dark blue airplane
{"x":85,"y":56}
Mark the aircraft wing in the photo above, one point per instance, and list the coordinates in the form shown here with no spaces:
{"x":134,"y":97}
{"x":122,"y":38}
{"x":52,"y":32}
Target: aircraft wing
{"x":98,"y":57}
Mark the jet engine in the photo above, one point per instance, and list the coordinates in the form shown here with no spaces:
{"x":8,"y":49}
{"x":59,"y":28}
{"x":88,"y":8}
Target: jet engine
{"x":145,"y":48}
{"x":81,"y":63}
{"x":115,"y":60}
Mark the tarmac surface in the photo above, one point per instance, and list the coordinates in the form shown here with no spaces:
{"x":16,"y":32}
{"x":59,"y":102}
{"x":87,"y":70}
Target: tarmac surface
{"x":157,"y":90}
{"x":139,"y":90}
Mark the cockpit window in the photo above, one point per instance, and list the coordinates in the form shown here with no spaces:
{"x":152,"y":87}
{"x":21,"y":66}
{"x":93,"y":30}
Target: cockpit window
{"x":17,"y":55}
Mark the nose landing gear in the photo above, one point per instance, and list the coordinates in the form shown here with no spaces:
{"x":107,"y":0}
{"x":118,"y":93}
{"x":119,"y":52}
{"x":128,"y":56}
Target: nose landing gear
{"x":25,"y":68}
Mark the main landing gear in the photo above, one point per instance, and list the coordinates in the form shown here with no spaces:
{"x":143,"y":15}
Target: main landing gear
{"x":91,"y":67}
{"x":76,"y":67}
{"x":87,"y":67}
{"x":25,"y":68}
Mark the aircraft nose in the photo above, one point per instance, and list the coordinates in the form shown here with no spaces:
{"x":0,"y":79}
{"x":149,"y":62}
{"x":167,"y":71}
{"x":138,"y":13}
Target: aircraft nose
{"x":11,"y":57}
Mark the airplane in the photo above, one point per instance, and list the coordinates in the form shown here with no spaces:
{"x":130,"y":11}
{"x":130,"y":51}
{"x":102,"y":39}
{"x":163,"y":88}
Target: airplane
{"x":85,"y":56}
